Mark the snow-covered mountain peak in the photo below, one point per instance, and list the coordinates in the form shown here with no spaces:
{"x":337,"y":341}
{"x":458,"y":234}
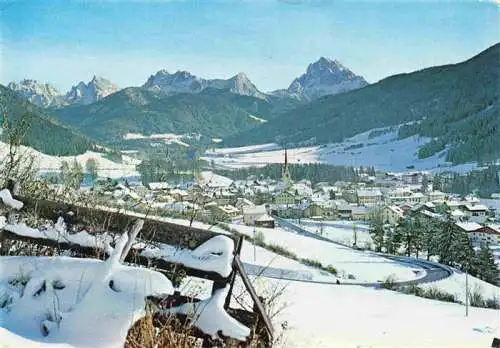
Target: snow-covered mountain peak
{"x":323,"y":77}
{"x":87,"y":93}
{"x":185,"y":82}
{"x":41,"y":94}
{"x":325,"y":65}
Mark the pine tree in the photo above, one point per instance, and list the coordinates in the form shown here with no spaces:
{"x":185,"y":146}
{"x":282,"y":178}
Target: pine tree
{"x":463,"y":256}
{"x":377,"y":230}
{"x":486,"y":268}
{"x":408,"y":234}
{"x":429,"y":234}
{"x":91,"y":168}
{"x":425,"y":183}
{"x":393,"y":239}
{"x":445,"y":242}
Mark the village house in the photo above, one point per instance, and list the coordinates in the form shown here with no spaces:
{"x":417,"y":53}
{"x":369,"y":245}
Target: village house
{"x":413,"y":178}
{"x":361,"y":213}
{"x":476,"y":212}
{"x":392,"y":214}
{"x":243,"y":202}
{"x":288,"y":211}
{"x":458,"y":215}
{"x":252,"y":213}
{"x":265,"y":221}
{"x":486,"y":235}
{"x":223,"y":197}
{"x":480,"y":234}
{"x":313,"y":210}
{"x":369,"y":196}
{"x":436,"y":196}
{"x":225,"y":211}
{"x":158,"y":186}
{"x":178,"y":194}
{"x":404,"y":195}
{"x":285,"y":197}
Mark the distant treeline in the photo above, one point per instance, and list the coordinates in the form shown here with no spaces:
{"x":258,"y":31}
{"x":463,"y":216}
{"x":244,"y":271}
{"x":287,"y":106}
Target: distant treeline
{"x":315,"y":172}
{"x":482,"y":182}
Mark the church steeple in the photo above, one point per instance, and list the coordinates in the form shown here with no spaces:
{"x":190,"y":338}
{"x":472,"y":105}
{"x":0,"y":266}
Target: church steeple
{"x":287,"y":180}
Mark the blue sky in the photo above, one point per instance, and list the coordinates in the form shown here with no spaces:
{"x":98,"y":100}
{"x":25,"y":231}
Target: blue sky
{"x":272,"y":41}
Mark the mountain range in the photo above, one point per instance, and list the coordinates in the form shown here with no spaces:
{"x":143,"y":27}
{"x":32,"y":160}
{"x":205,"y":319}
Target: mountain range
{"x":47,"y":96}
{"x":323,"y":77}
{"x":456,"y":107}
{"x":212,"y":112}
{"x":185,"y":82}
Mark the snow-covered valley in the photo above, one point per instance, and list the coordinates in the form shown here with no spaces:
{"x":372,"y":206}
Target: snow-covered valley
{"x":385,"y":152}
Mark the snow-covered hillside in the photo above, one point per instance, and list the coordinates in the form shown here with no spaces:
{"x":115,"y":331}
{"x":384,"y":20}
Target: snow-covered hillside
{"x":47,"y":163}
{"x":314,"y":314}
{"x":384,"y":151}
{"x":365,"y":267}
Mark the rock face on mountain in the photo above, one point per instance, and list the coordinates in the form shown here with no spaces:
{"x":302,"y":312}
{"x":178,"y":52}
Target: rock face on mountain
{"x":46,"y":95}
{"x":185,"y":82}
{"x":88,"y":93}
{"x":323,"y":77}
{"x":40,"y":94}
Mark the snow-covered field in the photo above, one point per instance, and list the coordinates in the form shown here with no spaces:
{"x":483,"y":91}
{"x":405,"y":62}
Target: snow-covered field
{"x":365,"y":266}
{"x":316,"y":315}
{"x":338,"y":231}
{"x":353,"y":316}
{"x":168,"y":138}
{"x":68,"y":296}
{"x":47,"y":163}
{"x":243,"y":149}
{"x":455,"y":285}
{"x":384,"y":152}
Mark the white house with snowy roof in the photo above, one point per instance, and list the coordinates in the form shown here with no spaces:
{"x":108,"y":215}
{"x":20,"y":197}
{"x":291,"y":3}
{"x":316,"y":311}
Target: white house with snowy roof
{"x":480,"y":234}
{"x":369,"y":196}
{"x":476,"y":212}
{"x":436,"y":196}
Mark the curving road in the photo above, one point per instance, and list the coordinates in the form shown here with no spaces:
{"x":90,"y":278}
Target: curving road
{"x":434,"y":271}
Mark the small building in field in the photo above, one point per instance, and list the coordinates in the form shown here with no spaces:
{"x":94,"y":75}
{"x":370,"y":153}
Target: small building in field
{"x":252,"y":213}
{"x":265,"y":221}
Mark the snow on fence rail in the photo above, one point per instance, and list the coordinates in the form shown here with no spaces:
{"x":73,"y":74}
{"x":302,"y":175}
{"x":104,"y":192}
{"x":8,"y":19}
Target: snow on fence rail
{"x":162,"y":245}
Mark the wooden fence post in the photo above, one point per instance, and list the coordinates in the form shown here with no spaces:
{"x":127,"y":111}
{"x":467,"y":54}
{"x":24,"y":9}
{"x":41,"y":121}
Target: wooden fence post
{"x":232,"y":277}
{"x":132,"y":233}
